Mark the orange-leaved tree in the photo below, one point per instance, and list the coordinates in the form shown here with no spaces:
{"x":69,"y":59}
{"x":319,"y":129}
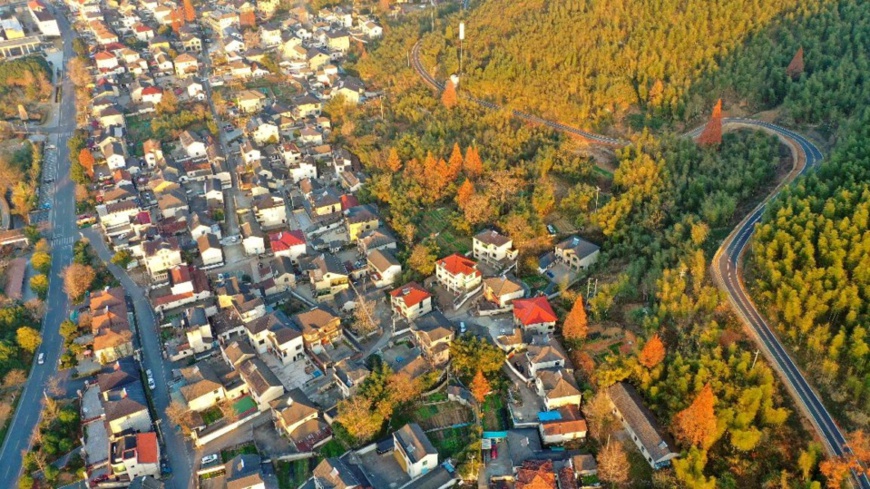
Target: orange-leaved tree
{"x":448,"y":96}
{"x":696,"y":425}
{"x":653,"y":352}
{"x":454,"y":164}
{"x":86,"y":159}
{"x":394,"y":164}
{"x":473,"y":166}
{"x":189,"y":11}
{"x":463,"y":195}
{"x":479,"y":386}
{"x":576,"y":324}
{"x":837,"y":469}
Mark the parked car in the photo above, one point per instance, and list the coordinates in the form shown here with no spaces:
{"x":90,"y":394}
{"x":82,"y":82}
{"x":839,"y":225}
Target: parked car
{"x":552,"y":229}
{"x":209,"y":459}
{"x":462,"y":327}
{"x":40,"y":359}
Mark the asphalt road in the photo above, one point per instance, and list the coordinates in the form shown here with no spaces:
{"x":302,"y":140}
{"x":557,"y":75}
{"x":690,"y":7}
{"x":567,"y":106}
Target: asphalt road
{"x":727,"y":262}
{"x":727,"y":266}
{"x":63,"y":232}
{"x":175,"y":448}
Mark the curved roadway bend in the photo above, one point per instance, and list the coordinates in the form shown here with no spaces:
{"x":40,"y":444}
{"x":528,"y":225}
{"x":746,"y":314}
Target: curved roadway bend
{"x":726,"y":263}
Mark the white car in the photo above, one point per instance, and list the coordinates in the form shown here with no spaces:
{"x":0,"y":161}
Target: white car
{"x":40,"y":359}
{"x":209,"y":459}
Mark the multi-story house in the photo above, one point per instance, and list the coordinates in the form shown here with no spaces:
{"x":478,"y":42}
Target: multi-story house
{"x":161,"y":254}
{"x":491,"y":247}
{"x":414,"y":451}
{"x":320,"y":326}
{"x":535,"y":315}
{"x":457,"y":273}
{"x":411,"y":301}
{"x":577,"y":253}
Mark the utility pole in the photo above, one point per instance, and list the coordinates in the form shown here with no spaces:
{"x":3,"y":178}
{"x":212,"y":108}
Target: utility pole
{"x":597,"y":191}
{"x":461,"y":38}
{"x":755,"y":359}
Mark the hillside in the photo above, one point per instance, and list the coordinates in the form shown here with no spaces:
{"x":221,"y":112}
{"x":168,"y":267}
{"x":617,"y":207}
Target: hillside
{"x":593,"y":62}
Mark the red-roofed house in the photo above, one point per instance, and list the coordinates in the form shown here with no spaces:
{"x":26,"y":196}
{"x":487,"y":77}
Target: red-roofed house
{"x":152,"y":95}
{"x":458,"y":273}
{"x":136,"y":455}
{"x":348,"y":201}
{"x":535,"y":315}
{"x":288,"y":243}
{"x":411,"y":301}
{"x":106,"y":61}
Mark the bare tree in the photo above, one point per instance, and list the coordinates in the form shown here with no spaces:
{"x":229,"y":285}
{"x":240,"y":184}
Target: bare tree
{"x":227,"y":410}
{"x":613,"y":464}
{"x":364,"y":316}
{"x":599,"y":416}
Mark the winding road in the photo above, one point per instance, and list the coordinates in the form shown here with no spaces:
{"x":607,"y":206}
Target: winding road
{"x":727,"y":263}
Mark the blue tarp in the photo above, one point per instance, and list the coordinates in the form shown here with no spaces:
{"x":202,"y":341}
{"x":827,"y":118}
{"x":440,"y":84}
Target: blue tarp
{"x":549,"y":416}
{"x":495,"y":434}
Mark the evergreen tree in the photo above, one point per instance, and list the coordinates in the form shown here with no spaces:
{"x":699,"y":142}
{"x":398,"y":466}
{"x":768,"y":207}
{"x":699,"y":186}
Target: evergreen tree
{"x":576,"y":324}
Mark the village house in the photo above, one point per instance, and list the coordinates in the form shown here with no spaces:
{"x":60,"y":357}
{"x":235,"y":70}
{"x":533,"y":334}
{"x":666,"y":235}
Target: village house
{"x":263,"y":385}
{"x":640,"y":424}
{"x":414,"y":451}
{"x":186,"y":65}
{"x":491,"y":247}
{"x":360,"y":219}
{"x":434,"y":333}
{"x":135,"y":455}
{"x":458,"y":274}
{"x":290,"y":244}
{"x":210,"y":250}
{"x":411,"y":301}
{"x":383,"y":267}
{"x":328,"y":276}
{"x":535,"y":315}
{"x":292,"y":410}
{"x":577,"y":253}
{"x":557,"y":388}
{"x":319,"y":327}
{"x":160,"y":255}
{"x":501,"y":291}
{"x":250,"y":101}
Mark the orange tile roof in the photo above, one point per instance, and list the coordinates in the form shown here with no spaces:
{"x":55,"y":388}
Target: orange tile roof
{"x":536,"y":474}
{"x":457,"y":264}
{"x":411,"y":294}
{"x":535,"y":310}
{"x":146,"y":447}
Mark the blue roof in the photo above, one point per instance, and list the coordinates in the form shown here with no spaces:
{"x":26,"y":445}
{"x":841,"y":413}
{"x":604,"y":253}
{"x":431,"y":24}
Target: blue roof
{"x":549,"y":416}
{"x":495,"y":434}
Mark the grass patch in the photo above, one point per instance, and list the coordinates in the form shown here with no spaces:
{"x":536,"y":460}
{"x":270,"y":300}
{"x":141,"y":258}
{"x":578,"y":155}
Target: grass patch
{"x":535,"y":281}
{"x":451,"y":441}
{"x":246,"y":449}
{"x":292,"y":474}
{"x":437,"y":223}
{"x":639,"y":471}
{"x":332,"y":448}
{"x":425,"y":412}
{"x":494,"y":413}
{"x":211,"y":415}
{"x":139,"y":129}
{"x":437,"y":397}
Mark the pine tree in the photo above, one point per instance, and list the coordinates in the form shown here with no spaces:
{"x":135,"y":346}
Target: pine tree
{"x":189,"y":11}
{"x":712,"y":134}
{"x":480,"y":386}
{"x":394,"y":164}
{"x":177,"y":18}
{"x":796,"y":67}
{"x":454,"y":164}
{"x":448,"y":96}
{"x":653,"y":352}
{"x":473,"y":165}
{"x":696,"y":425}
{"x":463,"y":195}
{"x":576,"y":324}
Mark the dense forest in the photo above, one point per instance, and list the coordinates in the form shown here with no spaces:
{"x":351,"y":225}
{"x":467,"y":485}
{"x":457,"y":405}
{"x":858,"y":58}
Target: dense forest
{"x":592,"y":63}
{"x":812,"y":257}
